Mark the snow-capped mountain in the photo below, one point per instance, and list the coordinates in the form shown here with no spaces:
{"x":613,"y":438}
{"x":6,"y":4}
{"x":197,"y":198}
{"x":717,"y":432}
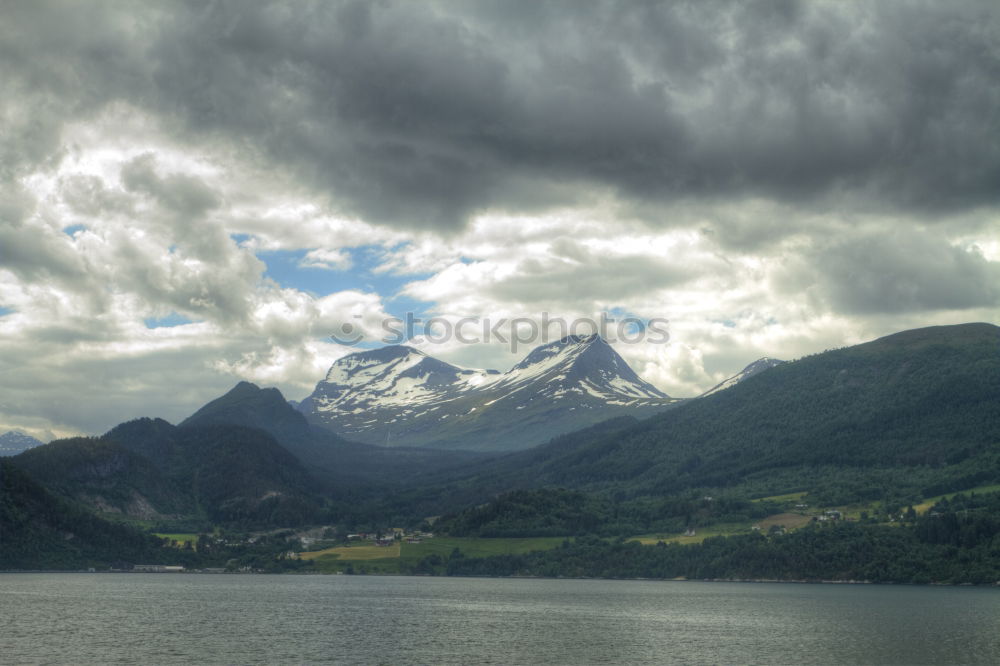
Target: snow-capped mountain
{"x":390,"y":377}
{"x":576,"y":366}
{"x":398,"y":396}
{"x":757,"y":366}
{"x":13,"y":442}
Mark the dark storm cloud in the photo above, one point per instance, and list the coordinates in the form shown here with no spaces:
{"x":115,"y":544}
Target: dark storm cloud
{"x":599,"y":278}
{"x":41,"y":255}
{"x":61,"y":62}
{"x":897,"y":272}
{"x":421,"y":114}
{"x":185,"y":195}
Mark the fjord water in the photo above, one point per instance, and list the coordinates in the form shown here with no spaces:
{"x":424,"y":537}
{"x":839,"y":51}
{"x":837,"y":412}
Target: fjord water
{"x":176,"y":618}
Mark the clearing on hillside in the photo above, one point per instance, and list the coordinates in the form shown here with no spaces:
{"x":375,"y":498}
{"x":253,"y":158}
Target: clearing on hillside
{"x":354,"y":553}
{"x":790,"y":521}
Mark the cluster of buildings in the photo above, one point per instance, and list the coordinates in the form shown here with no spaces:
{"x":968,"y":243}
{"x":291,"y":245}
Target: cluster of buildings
{"x":829,"y":515}
{"x":157,"y":568}
{"x":389,"y":537}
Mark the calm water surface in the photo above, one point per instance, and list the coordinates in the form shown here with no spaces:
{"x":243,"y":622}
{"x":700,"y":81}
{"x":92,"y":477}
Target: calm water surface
{"x":176,"y":618}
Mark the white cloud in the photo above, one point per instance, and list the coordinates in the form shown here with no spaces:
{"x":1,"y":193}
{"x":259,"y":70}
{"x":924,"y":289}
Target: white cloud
{"x":150,"y":238}
{"x":331,"y":260}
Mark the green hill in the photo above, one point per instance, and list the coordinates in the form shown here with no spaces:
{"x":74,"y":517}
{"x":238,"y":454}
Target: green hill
{"x":106,"y":476}
{"x":149,"y":469}
{"x":345,"y":465}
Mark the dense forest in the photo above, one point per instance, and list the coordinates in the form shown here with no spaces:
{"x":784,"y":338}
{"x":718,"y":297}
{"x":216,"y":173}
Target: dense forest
{"x":214,"y":474}
{"x":41,"y":531}
{"x":560,"y":512}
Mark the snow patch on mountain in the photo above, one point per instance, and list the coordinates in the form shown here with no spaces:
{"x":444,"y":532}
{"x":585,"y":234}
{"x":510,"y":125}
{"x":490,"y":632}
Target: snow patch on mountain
{"x":757,"y":366}
{"x":14,"y":442}
{"x":365,"y":391}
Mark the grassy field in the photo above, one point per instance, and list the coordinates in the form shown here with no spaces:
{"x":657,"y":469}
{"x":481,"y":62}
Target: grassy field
{"x":354,"y":553}
{"x":789,"y":521}
{"x":787,"y":497}
{"x":397,"y":558}
{"x":701,"y":534}
{"x":925,"y":506}
{"x":473,"y":547}
{"x":854,"y":510}
{"x":180,"y":538}
{"x":400,"y":557}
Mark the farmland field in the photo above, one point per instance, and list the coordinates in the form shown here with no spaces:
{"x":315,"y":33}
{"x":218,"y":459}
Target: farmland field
{"x":787,"y":497}
{"x":701,"y":534}
{"x":925,"y":506}
{"x":180,"y":538}
{"x":354,"y":553}
{"x":789,"y":521}
{"x":393,"y":559}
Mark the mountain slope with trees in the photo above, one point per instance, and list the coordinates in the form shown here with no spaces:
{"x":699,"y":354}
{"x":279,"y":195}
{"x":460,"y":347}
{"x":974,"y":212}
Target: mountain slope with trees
{"x":918,"y":411}
{"x":343,"y":464}
{"x":957,"y":541}
{"x":149,"y":469}
{"x":41,"y":531}
{"x":908,"y":416}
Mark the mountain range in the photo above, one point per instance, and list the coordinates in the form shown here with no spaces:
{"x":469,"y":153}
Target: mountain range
{"x":250,"y":457}
{"x":340,"y":462}
{"x":247,"y":458}
{"x":397,"y":396}
{"x":897,"y":420}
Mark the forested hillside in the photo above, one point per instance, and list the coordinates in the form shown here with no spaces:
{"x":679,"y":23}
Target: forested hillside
{"x":148,"y":469}
{"x":955,"y":542}
{"x":916,"y":413}
{"x":41,"y":531}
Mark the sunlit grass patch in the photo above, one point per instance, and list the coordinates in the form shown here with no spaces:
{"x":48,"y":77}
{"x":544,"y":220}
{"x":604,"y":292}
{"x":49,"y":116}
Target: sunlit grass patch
{"x":400,"y":556}
{"x":787,"y":497}
{"x":181,"y":539}
{"x":354,"y":553}
{"x":701,"y":533}
{"x":925,"y":506}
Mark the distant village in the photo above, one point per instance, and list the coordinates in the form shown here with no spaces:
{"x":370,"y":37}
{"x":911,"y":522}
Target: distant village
{"x":390,"y":537}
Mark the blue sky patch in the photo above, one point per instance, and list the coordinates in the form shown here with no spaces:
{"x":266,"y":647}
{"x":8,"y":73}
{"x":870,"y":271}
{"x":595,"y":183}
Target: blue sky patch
{"x":283,"y":266}
{"x":171,"y":320}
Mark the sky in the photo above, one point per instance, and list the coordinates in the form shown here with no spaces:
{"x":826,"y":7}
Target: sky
{"x":194,"y":194}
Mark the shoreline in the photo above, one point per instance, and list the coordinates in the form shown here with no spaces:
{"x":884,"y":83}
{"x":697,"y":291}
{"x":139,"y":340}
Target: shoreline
{"x":759,"y":581}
